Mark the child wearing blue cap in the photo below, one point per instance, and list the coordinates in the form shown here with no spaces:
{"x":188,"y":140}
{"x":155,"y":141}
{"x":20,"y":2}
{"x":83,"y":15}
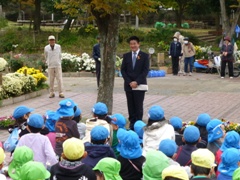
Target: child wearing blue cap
{"x":231,"y":141}
{"x":156,"y":130}
{"x":100,"y":118}
{"x":177,"y":124}
{"x":118,"y":122}
{"x":201,"y":123}
{"x":230,"y":161}
{"x":130,"y":157}
{"x":40,"y":144}
{"x":65,"y":127}
{"x":191,"y":136}
{"x":139,"y":129}
{"x":216,"y":134}
{"x":98,"y":148}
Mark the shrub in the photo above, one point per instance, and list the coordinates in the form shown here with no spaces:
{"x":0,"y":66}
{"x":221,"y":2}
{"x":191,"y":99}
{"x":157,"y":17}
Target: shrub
{"x":5,"y":122}
{"x":15,"y":64}
{"x":126,"y":32}
{"x":88,"y":30}
{"x":3,"y":22}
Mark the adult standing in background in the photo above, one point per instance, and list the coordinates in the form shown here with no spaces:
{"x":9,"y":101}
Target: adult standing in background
{"x":181,"y":60}
{"x":188,"y":53}
{"x":175,"y":52}
{"x":97,"y":58}
{"x":135,"y":67}
{"x":53,"y":57}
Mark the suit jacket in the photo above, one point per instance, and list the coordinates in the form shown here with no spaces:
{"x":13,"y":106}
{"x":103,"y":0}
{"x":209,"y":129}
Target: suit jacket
{"x":140,"y":71}
{"x":96,"y":52}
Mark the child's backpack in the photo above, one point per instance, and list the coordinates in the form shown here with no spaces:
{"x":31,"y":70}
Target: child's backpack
{"x":11,"y":142}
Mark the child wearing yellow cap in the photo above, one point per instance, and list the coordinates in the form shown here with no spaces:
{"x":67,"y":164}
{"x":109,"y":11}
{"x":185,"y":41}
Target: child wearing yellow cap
{"x":2,"y":157}
{"x":71,"y":167}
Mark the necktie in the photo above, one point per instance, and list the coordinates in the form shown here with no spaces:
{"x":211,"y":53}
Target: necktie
{"x":134,"y":59}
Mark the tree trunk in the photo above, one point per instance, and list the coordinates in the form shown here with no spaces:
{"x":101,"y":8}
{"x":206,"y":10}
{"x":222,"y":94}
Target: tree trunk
{"x":108,"y":30}
{"x":178,"y":18}
{"x":68,"y":24}
{"x":37,"y":16}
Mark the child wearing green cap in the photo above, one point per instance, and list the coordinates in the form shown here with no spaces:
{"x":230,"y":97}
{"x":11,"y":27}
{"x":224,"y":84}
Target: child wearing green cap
{"x":108,"y":169}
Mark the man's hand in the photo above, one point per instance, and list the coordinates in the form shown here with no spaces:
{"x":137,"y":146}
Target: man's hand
{"x":133,"y":84}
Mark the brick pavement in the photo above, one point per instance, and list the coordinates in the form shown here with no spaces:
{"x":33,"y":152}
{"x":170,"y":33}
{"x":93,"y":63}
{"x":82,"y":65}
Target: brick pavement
{"x":185,"y":97}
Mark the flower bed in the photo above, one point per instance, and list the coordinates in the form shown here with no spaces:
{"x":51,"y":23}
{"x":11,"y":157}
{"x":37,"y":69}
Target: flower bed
{"x":5,"y":122}
{"x":202,"y":52}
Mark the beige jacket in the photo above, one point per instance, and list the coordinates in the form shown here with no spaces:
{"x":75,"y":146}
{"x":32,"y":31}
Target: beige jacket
{"x":188,"y":50}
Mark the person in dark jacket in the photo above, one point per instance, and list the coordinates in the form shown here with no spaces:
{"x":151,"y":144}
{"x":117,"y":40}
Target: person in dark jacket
{"x":227,"y":57}
{"x":97,"y":58}
{"x":71,"y":167}
{"x":175,"y":52}
{"x":65,"y":127}
{"x":98,"y":148}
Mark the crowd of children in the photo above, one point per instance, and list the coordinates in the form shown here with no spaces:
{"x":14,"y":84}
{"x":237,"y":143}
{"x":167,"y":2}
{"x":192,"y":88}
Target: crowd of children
{"x":58,"y":146}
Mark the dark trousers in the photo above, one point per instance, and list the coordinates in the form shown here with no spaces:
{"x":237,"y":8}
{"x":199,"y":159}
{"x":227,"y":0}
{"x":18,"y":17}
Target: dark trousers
{"x":230,"y":68}
{"x":175,"y":64}
{"x":98,"y":71}
{"x":135,"y":106}
{"x":188,"y":61}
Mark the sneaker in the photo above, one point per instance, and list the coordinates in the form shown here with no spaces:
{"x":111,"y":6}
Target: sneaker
{"x":184,"y":74}
{"x":222,"y":77}
{"x":231,"y":77}
{"x":190,"y":74}
{"x":61,"y":95}
{"x":52,"y":95}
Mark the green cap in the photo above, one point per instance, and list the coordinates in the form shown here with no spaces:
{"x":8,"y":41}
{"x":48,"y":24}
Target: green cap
{"x":21,"y":156}
{"x":155,"y":163}
{"x":110,"y":168}
{"x":33,"y":170}
{"x":236,"y":174}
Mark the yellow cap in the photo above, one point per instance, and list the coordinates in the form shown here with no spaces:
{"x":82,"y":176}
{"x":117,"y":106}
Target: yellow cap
{"x":176,"y":172}
{"x":203,"y":158}
{"x":73,"y":148}
{"x":2,"y":155}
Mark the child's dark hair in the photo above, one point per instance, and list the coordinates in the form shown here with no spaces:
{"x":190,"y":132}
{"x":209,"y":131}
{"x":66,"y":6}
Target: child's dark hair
{"x":200,"y":170}
{"x":150,"y":121}
{"x":103,"y":117}
{"x":171,"y":178}
{"x":192,"y":143}
{"x":98,"y":141}
{"x":34,"y":130}
{"x":202,"y":130}
{"x":98,"y":173}
{"x":21,"y":120}
{"x":133,"y":38}
{"x":77,"y":118}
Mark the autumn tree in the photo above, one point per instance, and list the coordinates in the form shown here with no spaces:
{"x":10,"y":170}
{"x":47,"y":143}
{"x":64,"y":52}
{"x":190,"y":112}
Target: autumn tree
{"x":107,"y":17}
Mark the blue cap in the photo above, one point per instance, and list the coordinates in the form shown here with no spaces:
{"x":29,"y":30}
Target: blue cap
{"x":35,"y":120}
{"x":231,"y":141}
{"x":100,"y":109}
{"x":139,"y":129}
{"x":156,"y":113}
{"x":168,"y":147}
{"x":130,"y":147}
{"x":203,"y":119}
{"x":99,"y":133}
{"x":119,"y":120}
{"x":191,"y":134}
{"x":78,"y":112}
{"x":51,"y":119}
{"x":176,"y":122}
{"x":20,"y":111}
{"x":214,"y":130}
{"x":66,"y":108}
{"x":230,"y":158}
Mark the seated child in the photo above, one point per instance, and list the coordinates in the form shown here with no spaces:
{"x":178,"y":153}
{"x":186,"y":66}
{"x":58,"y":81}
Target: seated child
{"x":156,"y":130}
{"x":130,"y":157}
{"x":231,"y":141}
{"x":201,"y":123}
{"x":139,"y":129}
{"x":176,"y":122}
{"x":236,"y":174}
{"x":174,"y":172}
{"x":40,"y":144}
{"x":108,"y":169}
{"x":202,"y":164}
{"x":155,"y":163}
{"x":2,"y":158}
{"x":33,"y":170}
{"x":169,"y":148}
{"x":118,"y":122}
{"x":100,"y":111}
{"x":98,"y":148}
{"x":191,"y":137}
{"x":216,"y":131}
{"x":230,"y":161}
{"x":71,"y":167}
{"x":65,"y":127}
{"x":21,"y":156}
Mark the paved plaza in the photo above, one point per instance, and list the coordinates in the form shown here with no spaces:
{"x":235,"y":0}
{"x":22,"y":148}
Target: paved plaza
{"x":185,"y":97}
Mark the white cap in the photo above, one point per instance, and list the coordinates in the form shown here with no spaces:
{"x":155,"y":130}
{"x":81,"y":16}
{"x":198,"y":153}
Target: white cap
{"x":51,"y":37}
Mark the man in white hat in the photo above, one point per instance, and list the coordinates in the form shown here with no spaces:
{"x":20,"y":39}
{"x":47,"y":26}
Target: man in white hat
{"x":53,"y":59}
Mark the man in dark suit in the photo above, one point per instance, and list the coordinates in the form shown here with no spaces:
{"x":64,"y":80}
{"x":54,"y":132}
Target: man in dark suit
{"x":135,"y":67}
{"x":96,"y":57}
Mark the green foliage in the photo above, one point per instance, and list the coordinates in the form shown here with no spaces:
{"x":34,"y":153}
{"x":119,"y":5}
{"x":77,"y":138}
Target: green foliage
{"x":15,"y":64}
{"x":3,"y":22}
{"x":125,"y":33}
{"x":5,"y":122}
{"x":68,"y":66}
{"x":88,"y":30}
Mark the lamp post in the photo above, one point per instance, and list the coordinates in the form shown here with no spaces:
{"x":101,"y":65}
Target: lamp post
{"x":150,"y":51}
